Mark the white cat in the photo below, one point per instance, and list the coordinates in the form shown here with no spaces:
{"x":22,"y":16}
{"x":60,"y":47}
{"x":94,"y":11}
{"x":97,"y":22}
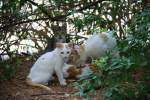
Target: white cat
{"x":94,"y":47}
{"x":48,"y":64}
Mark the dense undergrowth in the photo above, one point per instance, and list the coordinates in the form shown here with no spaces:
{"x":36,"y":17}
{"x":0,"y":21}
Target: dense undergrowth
{"x":124,"y":77}
{"x":9,"y":67}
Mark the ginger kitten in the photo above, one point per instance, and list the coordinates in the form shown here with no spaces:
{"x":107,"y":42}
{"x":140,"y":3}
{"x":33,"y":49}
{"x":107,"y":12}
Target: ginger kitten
{"x":71,"y":71}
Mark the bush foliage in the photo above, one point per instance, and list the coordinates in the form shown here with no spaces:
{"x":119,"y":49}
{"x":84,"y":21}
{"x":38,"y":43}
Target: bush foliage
{"x":124,"y":77}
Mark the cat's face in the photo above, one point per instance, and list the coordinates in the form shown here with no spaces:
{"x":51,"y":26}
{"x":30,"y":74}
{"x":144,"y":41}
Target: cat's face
{"x":64,"y":50}
{"x":75,"y":53}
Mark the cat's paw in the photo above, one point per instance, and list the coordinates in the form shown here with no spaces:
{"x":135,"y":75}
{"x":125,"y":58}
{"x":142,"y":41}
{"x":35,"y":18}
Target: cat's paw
{"x":63,"y":83}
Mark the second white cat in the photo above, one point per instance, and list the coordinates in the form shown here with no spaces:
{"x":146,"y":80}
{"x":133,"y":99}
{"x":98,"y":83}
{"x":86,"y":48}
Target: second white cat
{"x":94,"y":47}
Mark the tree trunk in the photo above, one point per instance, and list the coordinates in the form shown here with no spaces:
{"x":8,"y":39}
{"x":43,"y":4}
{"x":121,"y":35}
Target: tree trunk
{"x":59,"y":30}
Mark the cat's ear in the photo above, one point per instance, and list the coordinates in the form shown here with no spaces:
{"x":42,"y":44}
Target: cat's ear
{"x":59,"y":45}
{"x":103,"y":36}
{"x":82,"y":47}
{"x":71,"y":45}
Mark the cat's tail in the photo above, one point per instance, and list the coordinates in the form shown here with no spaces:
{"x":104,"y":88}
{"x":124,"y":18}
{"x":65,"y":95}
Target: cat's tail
{"x":29,"y":82}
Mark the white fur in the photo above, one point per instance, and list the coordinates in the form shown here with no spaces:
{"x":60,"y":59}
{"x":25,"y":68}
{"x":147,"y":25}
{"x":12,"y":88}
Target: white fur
{"x":96,"y":46}
{"x":49,"y":63}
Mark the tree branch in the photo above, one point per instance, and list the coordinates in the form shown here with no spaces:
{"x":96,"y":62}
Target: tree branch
{"x":49,"y":17}
{"x":90,"y":5}
{"x":21,"y":22}
{"x":42,"y":9}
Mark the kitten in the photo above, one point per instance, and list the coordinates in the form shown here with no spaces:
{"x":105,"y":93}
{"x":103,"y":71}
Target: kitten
{"x":48,"y":64}
{"x":71,"y":71}
{"x":94,"y":47}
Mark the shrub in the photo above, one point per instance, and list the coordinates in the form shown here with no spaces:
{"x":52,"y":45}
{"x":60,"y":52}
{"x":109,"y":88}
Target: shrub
{"x":125,"y":77}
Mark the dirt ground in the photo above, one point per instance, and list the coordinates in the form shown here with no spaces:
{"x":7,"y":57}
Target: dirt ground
{"x":17,"y":89}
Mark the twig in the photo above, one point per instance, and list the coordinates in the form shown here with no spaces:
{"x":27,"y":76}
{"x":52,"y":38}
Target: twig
{"x":58,"y":93}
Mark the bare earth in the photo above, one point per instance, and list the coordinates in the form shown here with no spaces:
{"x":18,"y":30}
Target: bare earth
{"x":17,"y":89}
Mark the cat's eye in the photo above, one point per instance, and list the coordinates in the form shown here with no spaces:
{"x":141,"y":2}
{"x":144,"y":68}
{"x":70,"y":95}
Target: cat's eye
{"x":68,"y":52}
{"x":62,"y":52}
